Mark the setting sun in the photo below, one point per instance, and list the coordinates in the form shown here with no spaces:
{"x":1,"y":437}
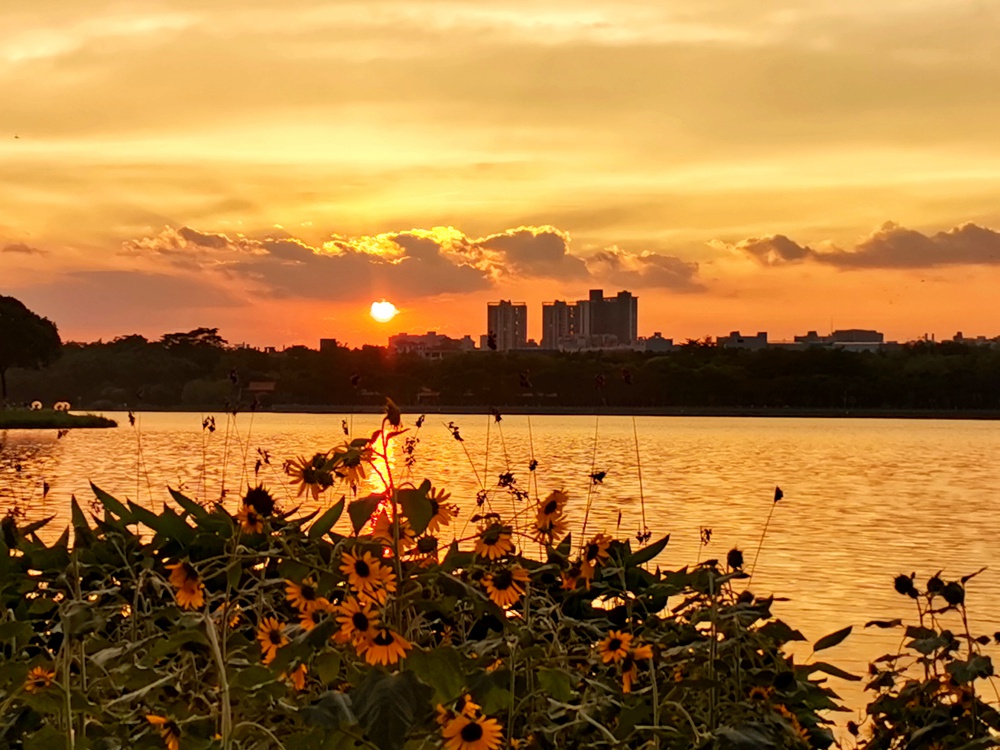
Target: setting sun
{"x":383,"y":311}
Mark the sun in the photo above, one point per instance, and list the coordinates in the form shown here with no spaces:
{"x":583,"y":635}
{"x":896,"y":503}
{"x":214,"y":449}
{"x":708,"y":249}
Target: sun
{"x":383,"y":311}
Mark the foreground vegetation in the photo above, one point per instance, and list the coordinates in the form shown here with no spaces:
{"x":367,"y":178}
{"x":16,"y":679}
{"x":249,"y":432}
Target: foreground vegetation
{"x":49,"y":419}
{"x":383,"y":622}
{"x":199,"y":369}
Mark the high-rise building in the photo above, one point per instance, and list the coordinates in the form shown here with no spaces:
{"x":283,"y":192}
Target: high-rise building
{"x":617,"y":316}
{"x":563,"y":322}
{"x":507,"y":322}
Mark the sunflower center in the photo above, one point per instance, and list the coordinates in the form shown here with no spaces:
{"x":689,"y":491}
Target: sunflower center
{"x":384,"y":638}
{"x":274,"y":637}
{"x":362,"y":569}
{"x":628,"y":662}
{"x":308,"y":592}
{"x":503,"y":580}
{"x":360,"y":621}
{"x":550,"y":507}
{"x":491,"y":536}
{"x":614,"y":644}
{"x":592,"y":551}
{"x":472,"y":732}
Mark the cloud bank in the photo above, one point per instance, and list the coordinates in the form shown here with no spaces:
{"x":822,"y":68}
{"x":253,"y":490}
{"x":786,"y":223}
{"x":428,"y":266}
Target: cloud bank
{"x":891,"y":246}
{"x":406,"y":264}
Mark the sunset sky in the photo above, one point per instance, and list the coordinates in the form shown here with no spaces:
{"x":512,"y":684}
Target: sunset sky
{"x":271,"y":168}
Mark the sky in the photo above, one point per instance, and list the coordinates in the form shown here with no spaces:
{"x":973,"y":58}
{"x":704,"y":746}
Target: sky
{"x":271,"y":168}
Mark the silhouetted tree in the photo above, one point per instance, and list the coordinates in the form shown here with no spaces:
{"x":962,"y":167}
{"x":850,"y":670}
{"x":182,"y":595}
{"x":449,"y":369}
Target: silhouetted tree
{"x":26,"y":339}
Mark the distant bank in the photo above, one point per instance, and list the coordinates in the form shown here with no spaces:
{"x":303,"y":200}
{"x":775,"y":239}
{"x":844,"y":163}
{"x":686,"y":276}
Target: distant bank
{"x":638,"y":411}
{"x":48,"y":419}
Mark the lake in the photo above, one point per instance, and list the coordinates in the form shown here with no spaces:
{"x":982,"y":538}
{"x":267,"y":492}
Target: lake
{"x":864,"y":499}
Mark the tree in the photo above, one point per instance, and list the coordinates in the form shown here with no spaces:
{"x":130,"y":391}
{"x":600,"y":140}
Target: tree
{"x":26,"y":339}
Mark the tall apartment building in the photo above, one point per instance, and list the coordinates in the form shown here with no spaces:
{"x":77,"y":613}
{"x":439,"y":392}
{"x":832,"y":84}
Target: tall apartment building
{"x":595,"y":322}
{"x":508,"y":322}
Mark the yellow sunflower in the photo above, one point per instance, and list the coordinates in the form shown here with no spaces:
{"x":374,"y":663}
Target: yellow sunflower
{"x":189,"y":590}
{"x":364,"y":571}
{"x":310,"y":618}
{"x":298,"y":677}
{"x":383,"y":532}
{"x":504,"y":587}
{"x":271,"y":634}
{"x":443,"y":510}
{"x":310,"y":474}
{"x":350,"y":464}
{"x":467,"y":733}
{"x":630,"y":665}
{"x":614,"y":648}
{"x":464,"y":706}
{"x":260,"y":500}
{"x":385,"y":647}
{"x":550,"y":528}
{"x":251,"y":522}
{"x":552,"y":505}
{"x":571,"y":577}
{"x":303,"y":596}
{"x":357,"y":621}
{"x":494,"y":542}
{"x":168,"y":729}
{"x":595,"y":551}
{"x":38,"y":679}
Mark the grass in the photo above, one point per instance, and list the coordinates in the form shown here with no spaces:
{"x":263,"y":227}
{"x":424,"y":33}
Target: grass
{"x":48,"y":419}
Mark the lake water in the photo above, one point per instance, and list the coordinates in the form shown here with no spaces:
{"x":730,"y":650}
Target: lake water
{"x":864,"y":499}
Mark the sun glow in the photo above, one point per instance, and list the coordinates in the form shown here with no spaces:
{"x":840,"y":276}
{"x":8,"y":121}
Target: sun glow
{"x":383,"y":311}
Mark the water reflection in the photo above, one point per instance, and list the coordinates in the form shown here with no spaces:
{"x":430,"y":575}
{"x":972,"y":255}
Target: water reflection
{"x":864,"y":499}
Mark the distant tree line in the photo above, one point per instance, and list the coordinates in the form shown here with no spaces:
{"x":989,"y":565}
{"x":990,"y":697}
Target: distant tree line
{"x":199,"y":369}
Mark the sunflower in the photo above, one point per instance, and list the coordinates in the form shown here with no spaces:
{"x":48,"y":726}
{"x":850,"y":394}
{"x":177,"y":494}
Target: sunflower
{"x":494,"y":542}
{"x":356,"y":620}
{"x":504,"y":587}
{"x":464,"y":706}
{"x":310,"y":618}
{"x":251,"y":522}
{"x":571,"y":577}
{"x":350,"y":464}
{"x":614,"y":647}
{"x":303,"y":596}
{"x":168,"y":729}
{"x":298,"y":677}
{"x":310,"y":474}
{"x":364,"y":572}
{"x":260,"y":500}
{"x":630,"y":665}
{"x":468,"y":733}
{"x":553,"y":505}
{"x":190,"y":591}
{"x":442,"y":509}
{"x":384,"y":647}
{"x":271,"y":634}
{"x":383,"y":531}
{"x":595,"y":551}
{"x":38,"y":679}
{"x":550,"y":528}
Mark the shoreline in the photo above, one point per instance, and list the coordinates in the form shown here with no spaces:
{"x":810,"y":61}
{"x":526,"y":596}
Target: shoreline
{"x":23,"y":419}
{"x":624,"y":411}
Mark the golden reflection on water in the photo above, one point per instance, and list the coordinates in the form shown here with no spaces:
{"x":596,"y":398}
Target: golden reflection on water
{"x":864,"y":499}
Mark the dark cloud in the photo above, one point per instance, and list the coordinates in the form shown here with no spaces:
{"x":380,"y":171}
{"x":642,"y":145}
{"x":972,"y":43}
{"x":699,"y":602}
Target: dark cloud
{"x":20,"y":247}
{"x":536,"y":251}
{"x":890,"y":246}
{"x":644,"y":270}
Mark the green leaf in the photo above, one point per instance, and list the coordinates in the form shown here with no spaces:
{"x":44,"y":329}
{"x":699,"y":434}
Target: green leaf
{"x":196,"y":510}
{"x":388,"y":707}
{"x":647,"y":553}
{"x":830,"y":669}
{"x":327,"y":521}
{"x":327,"y":667}
{"x":111,"y":504}
{"x":19,"y":631}
{"x":82,"y":532}
{"x":362,"y":510}
{"x":441,"y":668}
{"x":417,"y":506}
{"x":556,"y":683}
{"x":831,"y":640}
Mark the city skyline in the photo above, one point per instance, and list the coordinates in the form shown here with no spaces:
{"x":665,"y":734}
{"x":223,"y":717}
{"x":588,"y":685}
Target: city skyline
{"x":787,"y":167}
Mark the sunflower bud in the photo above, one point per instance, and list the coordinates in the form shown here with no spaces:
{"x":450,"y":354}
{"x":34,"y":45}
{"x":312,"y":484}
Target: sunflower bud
{"x":953,"y":593}
{"x":904,"y":585}
{"x":935,"y":585}
{"x":734,"y":559}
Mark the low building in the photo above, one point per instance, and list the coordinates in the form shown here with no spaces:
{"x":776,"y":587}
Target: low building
{"x":430,"y":345}
{"x":656,"y":343}
{"x":736,"y":340}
